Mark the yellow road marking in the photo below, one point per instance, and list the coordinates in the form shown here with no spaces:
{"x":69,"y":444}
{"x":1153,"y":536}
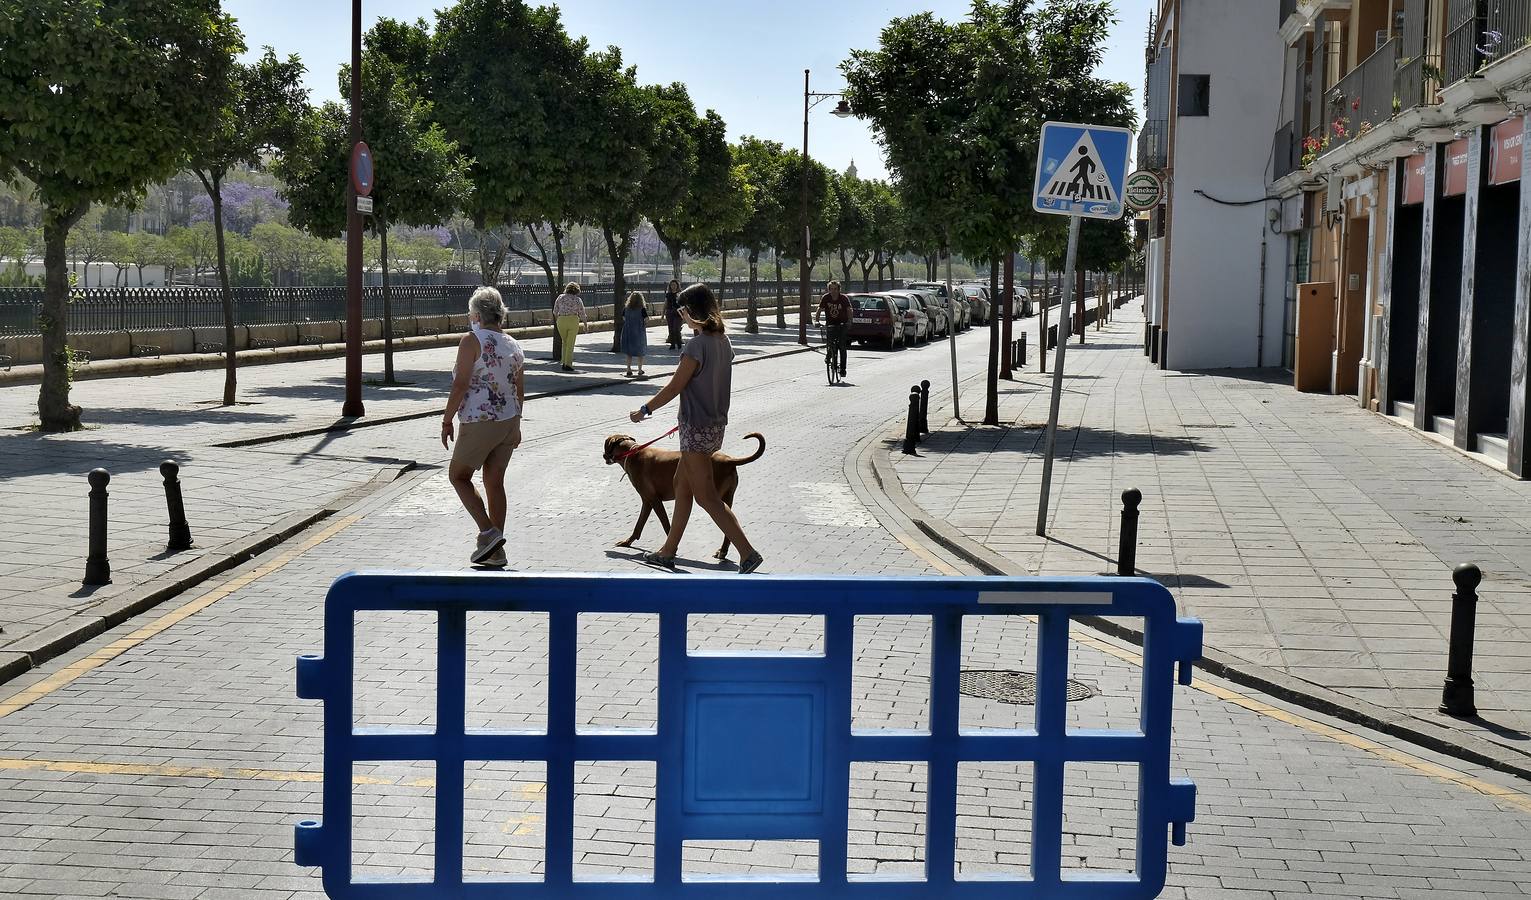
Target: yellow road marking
{"x":1509,"y":796}
{"x":106,"y":654}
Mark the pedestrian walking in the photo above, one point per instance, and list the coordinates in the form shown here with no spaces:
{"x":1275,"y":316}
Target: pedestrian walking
{"x":703,"y":381}
{"x":672,"y":313}
{"x":488,"y":394}
{"x":635,"y":331}
{"x":570,"y":319}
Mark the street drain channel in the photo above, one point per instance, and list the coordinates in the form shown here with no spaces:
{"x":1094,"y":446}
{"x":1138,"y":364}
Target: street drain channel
{"x":1014,"y":687}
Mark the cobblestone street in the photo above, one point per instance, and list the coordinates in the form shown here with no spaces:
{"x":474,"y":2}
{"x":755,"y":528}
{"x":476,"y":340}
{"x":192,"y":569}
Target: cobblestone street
{"x":169,"y":758}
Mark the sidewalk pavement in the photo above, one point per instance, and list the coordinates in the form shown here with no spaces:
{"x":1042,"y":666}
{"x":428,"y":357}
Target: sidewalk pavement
{"x":234,"y":497}
{"x":1312,"y":537}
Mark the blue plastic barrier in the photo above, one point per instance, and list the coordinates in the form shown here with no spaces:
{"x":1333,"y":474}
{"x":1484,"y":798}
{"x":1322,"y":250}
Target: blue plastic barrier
{"x":726,"y":723}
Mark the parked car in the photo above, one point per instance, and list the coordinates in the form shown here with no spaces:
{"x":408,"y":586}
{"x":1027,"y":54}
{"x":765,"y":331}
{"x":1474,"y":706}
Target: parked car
{"x":916,"y":322}
{"x":940,"y":318}
{"x":977,"y":298}
{"x":875,"y":319}
{"x":938,"y":290}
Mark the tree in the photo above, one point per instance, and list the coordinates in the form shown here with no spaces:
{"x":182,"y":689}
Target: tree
{"x":503,"y":80}
{"x":90,"y":243}
{"x":15,"y":244}
{"x":714,"y":200}
{"x":1015,"y":67}
{"x":97,"y":102}
{"x":853,"y":228}
{"x":197,"y":246}
{"x":259,"y":106}
{"x":760,"y":162}
{"x":420,"y":177}
{"x":823,"y":216}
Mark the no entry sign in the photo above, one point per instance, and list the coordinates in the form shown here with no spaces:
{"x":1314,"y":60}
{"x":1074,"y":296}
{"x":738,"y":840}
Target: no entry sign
{"x":361,"y":169}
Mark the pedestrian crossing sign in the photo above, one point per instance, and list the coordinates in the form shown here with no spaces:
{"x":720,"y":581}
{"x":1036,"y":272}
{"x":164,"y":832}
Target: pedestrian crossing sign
{"x":1081,"y":170}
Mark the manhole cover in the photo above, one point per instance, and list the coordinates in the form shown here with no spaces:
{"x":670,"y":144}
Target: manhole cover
{"x":1014,"y":687}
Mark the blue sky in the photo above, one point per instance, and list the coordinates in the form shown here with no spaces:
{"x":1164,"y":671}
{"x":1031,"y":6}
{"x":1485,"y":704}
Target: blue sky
{"x":744,"y":59}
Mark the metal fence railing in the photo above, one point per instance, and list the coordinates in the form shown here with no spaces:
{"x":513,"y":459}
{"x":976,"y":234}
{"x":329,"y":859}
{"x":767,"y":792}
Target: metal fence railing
{"x":1414,"y":84}
{"x":1509,"y":23}
{"x":95,"y":310}
{"x":1464,"y":42}
{"x":1363,"y":98}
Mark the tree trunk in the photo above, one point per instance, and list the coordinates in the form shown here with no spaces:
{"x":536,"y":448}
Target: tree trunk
{"x":752,"y":323}
{"x":865,"y":262}
{"x":140,"y":275}
{"x":781,"y":296}
{"x":991,"y":403}
{"x":618,"y":253}
{"x":214,"y":184}
{"x":382,"y":253}
{"x":53,"y":407}
{"x":845,"y":267}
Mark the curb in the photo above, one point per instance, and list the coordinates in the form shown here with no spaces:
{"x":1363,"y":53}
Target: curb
{"x":410,"y":417}
{"x":35,"y":649}
{"x":1221,"y":664}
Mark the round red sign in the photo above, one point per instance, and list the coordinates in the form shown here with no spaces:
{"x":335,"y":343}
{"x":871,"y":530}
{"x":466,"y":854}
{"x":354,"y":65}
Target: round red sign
{"x":361,"y":169}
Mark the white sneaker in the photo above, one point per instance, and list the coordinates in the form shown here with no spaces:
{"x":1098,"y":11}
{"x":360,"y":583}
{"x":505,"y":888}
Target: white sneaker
{"x":488,"y":543}
{"x":497,"y":559}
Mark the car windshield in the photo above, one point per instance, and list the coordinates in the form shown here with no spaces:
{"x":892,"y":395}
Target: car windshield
{"x":874,"y":304}
{"x":903,"y":302}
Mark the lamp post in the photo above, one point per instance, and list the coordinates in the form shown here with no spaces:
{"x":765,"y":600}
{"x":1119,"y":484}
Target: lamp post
{"x":843,"y":110}
{"x":353,"y":403}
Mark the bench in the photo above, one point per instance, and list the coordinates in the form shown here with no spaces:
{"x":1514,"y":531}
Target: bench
{"x":143,"y":350}
{"x":5,"y":363}
{"x":400,"y":333}
{"x":313,"y":339}
{"x":81,"y":356}
{"x":209,"y":347}
{"x":262,"y":343}
{"x":429,"y":332}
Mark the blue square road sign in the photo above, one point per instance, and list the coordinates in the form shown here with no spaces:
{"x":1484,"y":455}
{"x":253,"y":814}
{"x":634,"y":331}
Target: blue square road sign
{"x":1081,"y":170}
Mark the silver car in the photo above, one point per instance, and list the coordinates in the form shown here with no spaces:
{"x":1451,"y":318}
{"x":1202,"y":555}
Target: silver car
{"x":916,"y":322}
{"x":938,"y":290}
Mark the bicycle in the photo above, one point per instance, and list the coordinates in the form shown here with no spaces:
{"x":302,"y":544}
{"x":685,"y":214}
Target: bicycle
{"x":831,"y":355}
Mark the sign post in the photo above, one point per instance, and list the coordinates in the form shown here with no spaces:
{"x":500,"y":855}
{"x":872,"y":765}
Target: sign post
{"x":1082,"y":174}
{"x":361,"y":165}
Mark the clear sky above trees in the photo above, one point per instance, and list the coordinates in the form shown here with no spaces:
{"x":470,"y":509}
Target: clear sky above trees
{"x":744,"y":62}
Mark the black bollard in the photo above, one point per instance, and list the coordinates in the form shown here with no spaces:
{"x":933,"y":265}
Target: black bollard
{"x":1127,"y":549}
{"x":1457,"y":698}
{"x":97,"y":569}
{"x":912,"y":429}
{"x":924,"y":407}
{"x":1021,"y":362}
{"x":180,"y":530}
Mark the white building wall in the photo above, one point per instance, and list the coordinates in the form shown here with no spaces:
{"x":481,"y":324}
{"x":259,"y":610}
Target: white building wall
{"x":1215,"y":289}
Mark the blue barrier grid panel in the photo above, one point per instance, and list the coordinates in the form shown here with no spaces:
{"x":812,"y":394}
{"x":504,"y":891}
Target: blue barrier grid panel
{"x":753,"y":746}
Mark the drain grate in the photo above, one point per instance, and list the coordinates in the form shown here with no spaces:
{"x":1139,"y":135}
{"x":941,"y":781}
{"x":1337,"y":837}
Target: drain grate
{"x":1014,"y":687}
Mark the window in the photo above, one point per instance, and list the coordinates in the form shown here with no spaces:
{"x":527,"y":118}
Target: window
{"x":1195,"y":97}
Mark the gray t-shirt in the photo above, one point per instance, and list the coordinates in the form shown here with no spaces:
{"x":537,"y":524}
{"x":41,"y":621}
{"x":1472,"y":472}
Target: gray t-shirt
{"x":704,"y":400}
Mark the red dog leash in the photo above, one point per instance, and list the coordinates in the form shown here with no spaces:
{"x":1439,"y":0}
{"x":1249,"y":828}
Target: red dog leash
{"x":642,"y":447}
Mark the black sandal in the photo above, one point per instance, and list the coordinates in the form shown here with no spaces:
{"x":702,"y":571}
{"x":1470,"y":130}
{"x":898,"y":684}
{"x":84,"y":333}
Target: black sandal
{"x":655,"y":558}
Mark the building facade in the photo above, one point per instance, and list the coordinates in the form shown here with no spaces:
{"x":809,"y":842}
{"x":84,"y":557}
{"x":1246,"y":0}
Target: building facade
{"x":1398,"y":239}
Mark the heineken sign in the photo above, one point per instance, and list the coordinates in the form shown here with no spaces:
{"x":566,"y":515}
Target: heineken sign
{"x":1144,"y":190}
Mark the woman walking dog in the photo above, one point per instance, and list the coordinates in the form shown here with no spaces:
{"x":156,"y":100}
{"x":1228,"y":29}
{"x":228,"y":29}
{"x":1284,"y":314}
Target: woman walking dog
{"x":488,"y":394}
{"x":702,"y":381}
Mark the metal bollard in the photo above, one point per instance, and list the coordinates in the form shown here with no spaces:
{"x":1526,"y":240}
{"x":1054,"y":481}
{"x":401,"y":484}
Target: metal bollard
{"x":912,"y":428}
{"x":1457,"y":697}
{"x":924,"y":407}
{"x":180,"y":530}
{"x":97,"y":569}
{"x":1127,"y":548}
{"x":1021,"y":352}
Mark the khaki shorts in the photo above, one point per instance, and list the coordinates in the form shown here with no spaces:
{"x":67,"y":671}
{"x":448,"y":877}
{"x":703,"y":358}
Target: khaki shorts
{"x":477,"y":440}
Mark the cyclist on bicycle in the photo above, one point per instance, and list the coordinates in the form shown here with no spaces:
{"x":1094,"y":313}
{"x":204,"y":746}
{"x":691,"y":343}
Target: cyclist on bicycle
{"x":835,"y":307}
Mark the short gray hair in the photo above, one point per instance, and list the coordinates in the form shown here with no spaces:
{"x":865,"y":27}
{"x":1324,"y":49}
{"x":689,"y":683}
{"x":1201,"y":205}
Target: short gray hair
{"x":487,"y":305}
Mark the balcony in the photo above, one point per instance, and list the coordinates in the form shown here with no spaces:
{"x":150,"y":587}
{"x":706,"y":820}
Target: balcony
{"x":1153,"y":145}
{"x":1416,"y":83}
{"x":1288,"y":9}
{"x":1466,"y":42}
{"x":1509,"y":28}
{"x":1362,"y":99}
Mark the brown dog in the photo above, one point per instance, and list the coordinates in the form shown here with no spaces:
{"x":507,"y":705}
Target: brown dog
{"x":652,"y":473}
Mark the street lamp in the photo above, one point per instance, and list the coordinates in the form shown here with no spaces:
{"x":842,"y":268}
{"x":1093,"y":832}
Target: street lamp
{"x":842,"y":110}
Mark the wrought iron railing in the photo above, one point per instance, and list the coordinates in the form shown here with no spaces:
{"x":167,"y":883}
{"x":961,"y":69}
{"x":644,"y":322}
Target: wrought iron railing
{"x":1465,"y":42}
{"x":1416,"y":83}
{"x":1509,"y":28}
{"x":1361,"y":99}
{"x":94,"y":310}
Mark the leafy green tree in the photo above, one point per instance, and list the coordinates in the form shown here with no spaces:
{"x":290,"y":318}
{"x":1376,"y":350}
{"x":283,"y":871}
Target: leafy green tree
{"x":853,"y":229}
{"x":715,"y":198}
{"x":761,"y":163}
{"x":98,"y":100}
{"x":823,"y":216}
{"x":503,"y":77}
{"x":992,"y":78}
{"x":197,"y":245}
{"x":15,"y":244}
{"x":420,"y":177}
{"x":90,"y":243}
{"x":259,"y":107}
